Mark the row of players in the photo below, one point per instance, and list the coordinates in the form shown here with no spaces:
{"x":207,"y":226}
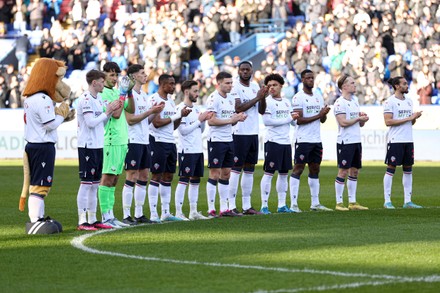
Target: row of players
{"x":126,"y":128}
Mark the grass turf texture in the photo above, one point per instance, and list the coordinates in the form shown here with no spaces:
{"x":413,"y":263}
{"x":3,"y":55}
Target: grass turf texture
{"x":402,"y":243}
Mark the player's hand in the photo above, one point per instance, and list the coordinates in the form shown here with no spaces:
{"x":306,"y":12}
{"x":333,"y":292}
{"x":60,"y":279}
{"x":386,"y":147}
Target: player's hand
{"x":157,"y":108}
{"x":324,"y":111}
{"x":416,"y":115}
{"x":363,"y":117}
{"x":185,"y":111}
{"x":126,"y":84}
{"x":113,"y":106}
{"x":205,"y":116}
{"x":294,"y":115}
{"x":262,"y":92}
{"x":239,"y":117}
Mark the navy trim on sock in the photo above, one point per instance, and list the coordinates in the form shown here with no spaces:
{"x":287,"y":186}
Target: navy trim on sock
{"x":129,"y":183}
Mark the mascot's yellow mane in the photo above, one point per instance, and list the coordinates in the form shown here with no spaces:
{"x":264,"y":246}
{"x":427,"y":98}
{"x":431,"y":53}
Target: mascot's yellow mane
{"x":46,"y":76}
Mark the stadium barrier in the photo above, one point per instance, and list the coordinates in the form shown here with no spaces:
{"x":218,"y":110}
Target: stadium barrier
{"x":374,"y":136}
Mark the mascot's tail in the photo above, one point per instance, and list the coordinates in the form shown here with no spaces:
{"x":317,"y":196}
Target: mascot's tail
{"x":26,"y":182}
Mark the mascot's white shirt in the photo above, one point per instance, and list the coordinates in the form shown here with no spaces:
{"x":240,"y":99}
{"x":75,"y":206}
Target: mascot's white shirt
{"x":91,"y":131}
{"x":38,"y":111}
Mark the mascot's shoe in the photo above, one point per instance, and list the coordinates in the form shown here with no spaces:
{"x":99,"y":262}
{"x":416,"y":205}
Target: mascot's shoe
{"x":44,"y":226}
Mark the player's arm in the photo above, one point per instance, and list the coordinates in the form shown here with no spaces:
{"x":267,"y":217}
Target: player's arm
{"x":344,"y":122}
{"x":117,"y":113}
{"x":269,"y":121}
{"x":235,"y":118}
{"x":150,"y":113}
{"x":131,"y":106}
{"x":389,"y":121}
{"x":242,"y":107}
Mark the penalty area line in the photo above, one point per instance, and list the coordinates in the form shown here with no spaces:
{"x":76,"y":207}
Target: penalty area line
{"x":78,"y":242}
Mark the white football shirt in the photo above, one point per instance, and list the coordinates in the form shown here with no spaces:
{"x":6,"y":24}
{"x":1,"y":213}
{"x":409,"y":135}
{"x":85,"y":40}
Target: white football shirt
{"x":352,"y":133}
{"x":90,"y":136}
{"x":245,"y":94}
{"x":223,"y":108}
{"x":310,"y":106}
{"x":139,"y":132}
{"x":277,"y":119}
{"x":400,"y":109}
{"x":164,"y":133}
{"x":190,"y":131}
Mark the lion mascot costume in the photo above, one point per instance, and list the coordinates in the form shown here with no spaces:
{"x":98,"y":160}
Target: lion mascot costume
{"x":42,"y":117}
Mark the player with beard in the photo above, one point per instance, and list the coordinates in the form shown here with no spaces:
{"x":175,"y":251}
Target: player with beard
{"x":190,"y":154}
{"x":400,"y":117}
{"x":312,"y":112}
{"x":247,"y":95}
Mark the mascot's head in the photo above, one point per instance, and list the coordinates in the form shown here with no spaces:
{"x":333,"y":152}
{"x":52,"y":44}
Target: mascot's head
{"x":46,"y":76}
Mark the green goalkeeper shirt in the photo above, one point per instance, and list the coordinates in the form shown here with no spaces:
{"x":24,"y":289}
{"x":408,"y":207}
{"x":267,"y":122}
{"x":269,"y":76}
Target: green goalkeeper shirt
{"x":116,"y":130}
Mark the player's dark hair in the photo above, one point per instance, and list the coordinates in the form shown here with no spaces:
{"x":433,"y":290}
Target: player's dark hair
{"x":342,"y":80}
{"x":394,"y":81}
{"x":187,"y":84}
{"x":163,"y":78}
{"x":222,"y":75}
{"x":304,"y":72}
{"x":134,"y":68}
{"x":111,"y":67}
{"x":274,"y":76}
{"x":94,"y":75}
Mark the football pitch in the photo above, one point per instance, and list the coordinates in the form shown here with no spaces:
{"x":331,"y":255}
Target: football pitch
{"x":358,"y":251}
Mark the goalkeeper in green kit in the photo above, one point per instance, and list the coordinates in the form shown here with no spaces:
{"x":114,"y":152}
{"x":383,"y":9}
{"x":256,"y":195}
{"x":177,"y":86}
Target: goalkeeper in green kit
{"x":115,"y":140}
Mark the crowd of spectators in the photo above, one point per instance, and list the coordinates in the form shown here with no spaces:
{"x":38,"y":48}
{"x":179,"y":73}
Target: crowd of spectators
{"x":370,"y":40}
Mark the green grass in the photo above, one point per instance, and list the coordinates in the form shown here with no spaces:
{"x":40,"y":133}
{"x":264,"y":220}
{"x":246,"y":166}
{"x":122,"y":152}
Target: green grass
{"x":280,"y":253}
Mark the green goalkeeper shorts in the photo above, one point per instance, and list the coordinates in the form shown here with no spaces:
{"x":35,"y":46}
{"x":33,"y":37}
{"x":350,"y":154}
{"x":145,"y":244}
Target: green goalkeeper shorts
{"x":114,"y":158}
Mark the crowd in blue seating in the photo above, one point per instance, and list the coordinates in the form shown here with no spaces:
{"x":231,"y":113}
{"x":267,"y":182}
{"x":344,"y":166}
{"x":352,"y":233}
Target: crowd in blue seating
{"x":360,"y":38}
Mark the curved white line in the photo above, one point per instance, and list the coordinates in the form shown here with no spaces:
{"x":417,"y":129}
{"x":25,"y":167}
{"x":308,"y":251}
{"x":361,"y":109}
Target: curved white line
{"x":78,"y":242}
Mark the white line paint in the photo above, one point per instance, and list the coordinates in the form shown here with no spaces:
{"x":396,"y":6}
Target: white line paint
{"x":78,"y":242}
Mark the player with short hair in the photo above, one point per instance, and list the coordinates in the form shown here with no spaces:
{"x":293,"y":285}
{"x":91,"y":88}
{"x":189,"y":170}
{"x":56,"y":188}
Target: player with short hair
{"x":164,"y":153}
{"x":245,"y":135}
{"x":309,"y":105}
{"x":277,"y":118}
{"x":190,"y":154}
{"x":138,"y":158}
{"x":400,"y":117}
{"x":91,"y":122}
{"x":115,"y":140}
{"x":349,"y":147}
{"x":220,"y":143}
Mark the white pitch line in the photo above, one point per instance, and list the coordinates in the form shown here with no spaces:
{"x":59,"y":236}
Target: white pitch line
{"x":78,"y":242}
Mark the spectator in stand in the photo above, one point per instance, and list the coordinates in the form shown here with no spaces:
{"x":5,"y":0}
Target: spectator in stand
{"x":36,"y":10}
{"x":22,"y":47}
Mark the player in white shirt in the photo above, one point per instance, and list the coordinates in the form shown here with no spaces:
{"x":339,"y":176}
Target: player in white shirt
{"x":245,"y":136}
{"x":312,"y":112}
{"x":349,"y":147}
{"x":400,"y":117}
{"x":138,"y":158}
{"x":190,"y":153}
{"x":91,"y":121}
{"x":163,"y":149}
{"x":278,"y":117}
{"x":220,"y":143}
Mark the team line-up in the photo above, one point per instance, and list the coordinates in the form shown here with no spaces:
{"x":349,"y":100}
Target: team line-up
{"x":124,"y":128}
